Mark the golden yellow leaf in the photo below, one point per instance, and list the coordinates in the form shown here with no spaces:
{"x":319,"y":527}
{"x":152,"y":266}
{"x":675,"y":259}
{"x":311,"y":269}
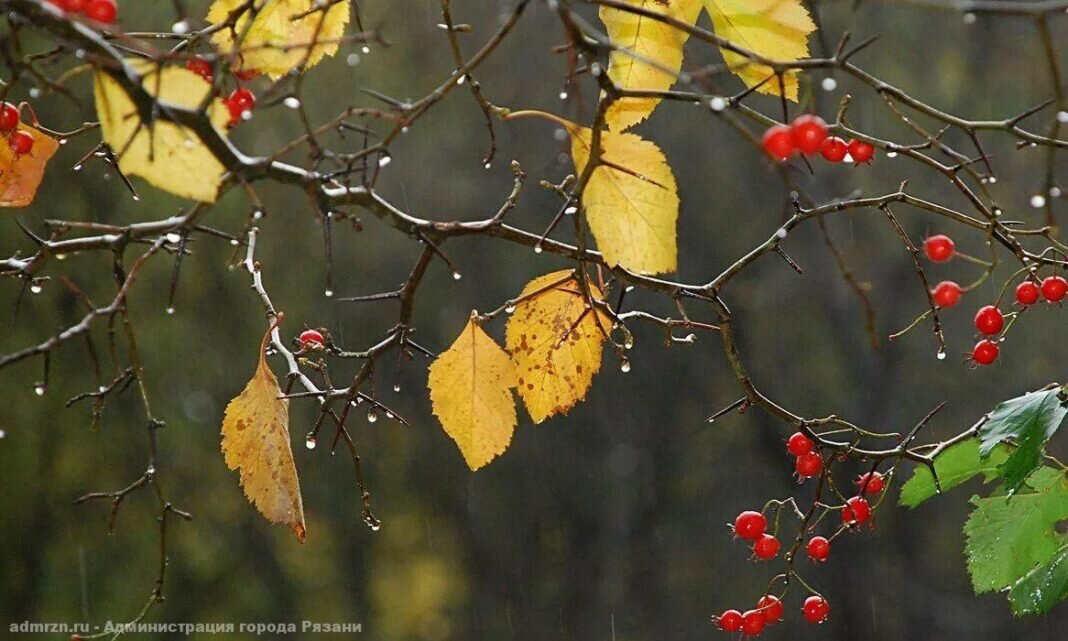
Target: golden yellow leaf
{"x":471,"y":391}
{"x":632,"y":202}
{"x":556,"y":343}
{"x":650,"y":54}
{"x":20,"y":176}
{"x":775,"y":29}
{"x":166,"y":155}
{"x":276,"y":43}
{"x":255,"y":440}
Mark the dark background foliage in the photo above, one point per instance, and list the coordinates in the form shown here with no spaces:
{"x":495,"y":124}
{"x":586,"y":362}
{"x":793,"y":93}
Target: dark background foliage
{"x":609,"y":523}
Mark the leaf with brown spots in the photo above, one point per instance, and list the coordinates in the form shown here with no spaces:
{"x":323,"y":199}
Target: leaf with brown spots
{"x":556,"y":343}
{"x":255,"y":440}
{"x":21,"y":175}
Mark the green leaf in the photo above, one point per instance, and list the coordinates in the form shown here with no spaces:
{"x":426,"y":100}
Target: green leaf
{"x":954,"y":466}
{"x":1041,"y":588}
{"x":1030,"y":420}
{"x":1008,"y":536}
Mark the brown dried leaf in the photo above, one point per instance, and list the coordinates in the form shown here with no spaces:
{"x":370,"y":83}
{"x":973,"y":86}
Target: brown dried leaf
{"x":255,"y":440}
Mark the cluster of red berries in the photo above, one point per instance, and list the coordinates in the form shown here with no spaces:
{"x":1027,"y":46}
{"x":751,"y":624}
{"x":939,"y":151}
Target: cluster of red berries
{"x":808,"y":463}
{"x":989,"y":320}
{"x":808,"y":135}
{"x":104,"y":11}
{"x":751,"y":525}
{"x":21,"y":142}
{"x":240,"y":101}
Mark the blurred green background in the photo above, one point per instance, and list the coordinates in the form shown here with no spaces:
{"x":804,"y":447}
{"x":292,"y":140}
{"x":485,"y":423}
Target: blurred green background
{"x":609,"y":523}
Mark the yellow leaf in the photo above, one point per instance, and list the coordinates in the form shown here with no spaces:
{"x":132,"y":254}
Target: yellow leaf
{"x":255,"y":440}
{"x":20,"y":176}
{"x":650,"y":54}
{"x":556,"y":343}
{"x":471,"y":391}
{"x":775,"y":29}
{"x":166,"y":155}
{"x":632,"y":203}
{"x":276,"y":43}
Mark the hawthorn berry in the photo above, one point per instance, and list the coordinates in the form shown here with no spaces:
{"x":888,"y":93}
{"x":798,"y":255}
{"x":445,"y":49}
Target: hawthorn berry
{"x":861,"y":152}
{"x":1054,"y":288}
{"x":22,"y":142}
{"x":750,"y":525}
{"x":808,"y":131}
{"x":1027,"y":293}
{"x":808,"y":464}
{"x":946,"y":294}
{"x":939,"y":248}
{"x":200,"y":67}
{"x":816,"y":609}
{"x":871,"y":483}
{"x":857,"y":510}
{"x":766,"y":547}
{"x":834,"y":149}
{"x":818,"y":548}
{"x":779,"y":142}
{"x":309,"y":337}
{"x":9,"y":116}
{"x":798,"y":444}
{"x":985,"y":352}
{"x":240,"y":101}
{"x":103,"y":11}
{"x":753,"y":623}
{"x":771,"y":606}
{"x":989,"y":320}
{"x":730,"y":621}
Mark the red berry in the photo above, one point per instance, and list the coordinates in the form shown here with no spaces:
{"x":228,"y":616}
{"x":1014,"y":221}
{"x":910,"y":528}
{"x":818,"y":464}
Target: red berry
{"x":798,"y":444}
{"x":1054,"y":288}
{"x":750,"y":525}
{"x":1027,"y":293}
{"x":834,"y":149}
{"x":310,"y":336}
{"x":22,"y":142}
{"x":101,"y":10}
{"x":871,"y":483}
{"x":989,"y":320}
{"x":861,"y":152}
{"x":809,"y":131}
{"x":856,"y":511}
{"x":240,"y":102}
{"x":753,"y":623}
{"x":730,"y":621}
{"x":766,"y":547}
{"x":246,"y":74}
{"x":818,"y":548}
{"x":808,"y":465}
{"x":9,"y":116}
{"x":771,"y":606}
{"x":946,"y":294}
{"x":939,"y":248}
{"x":779,"y":142}
{"x":985,"y":352}
{"x":200,"y":67}
{"x":816,"y":609}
